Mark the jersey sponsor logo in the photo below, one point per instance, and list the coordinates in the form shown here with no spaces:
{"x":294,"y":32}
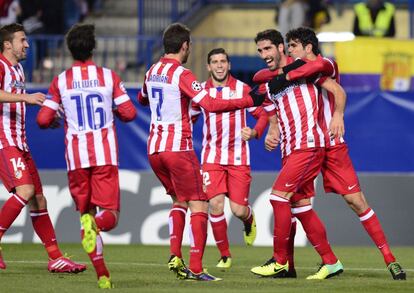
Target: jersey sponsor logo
{"x":351,"y":186}
{"x":195,"y":85}
{"x":289,"y":185}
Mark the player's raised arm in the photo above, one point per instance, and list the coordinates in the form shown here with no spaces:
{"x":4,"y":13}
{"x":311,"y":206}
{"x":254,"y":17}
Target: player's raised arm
{"x":322,"y":66}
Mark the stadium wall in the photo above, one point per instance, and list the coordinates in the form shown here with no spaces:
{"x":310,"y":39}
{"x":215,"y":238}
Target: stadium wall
{"x":145,"y":208}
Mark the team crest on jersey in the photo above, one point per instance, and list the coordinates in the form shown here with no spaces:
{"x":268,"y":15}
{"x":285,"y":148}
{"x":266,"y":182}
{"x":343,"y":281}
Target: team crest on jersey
{"x":18,"y":174}
{"x":195,"y":85}
{"x":17,"y":84}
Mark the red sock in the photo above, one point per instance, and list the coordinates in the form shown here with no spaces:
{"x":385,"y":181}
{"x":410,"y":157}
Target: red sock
{"x":176,"y":226}
{"x":44,"y":229}
{"x":105,"y":220}
{"x":198,"y":237}
{"x":291,"y":245}
{"x":219,"y":226}
{"x":373,"y":227}
{"x":316,"y":233}
{"x":97,"y":258}
{"x":282,"y":222}
{"x":9,"y":212}
{"x":249,"y":219}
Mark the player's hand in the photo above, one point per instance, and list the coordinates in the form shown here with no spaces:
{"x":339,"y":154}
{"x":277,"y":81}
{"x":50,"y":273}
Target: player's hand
{"x":292,"y":66}
{"x":257,"y":97}
{"x":34,"y":99}
{"x":337,"y":125}
{"x":278,"y":83}
{"x":248,"y":133}
{"x":271,"y":141}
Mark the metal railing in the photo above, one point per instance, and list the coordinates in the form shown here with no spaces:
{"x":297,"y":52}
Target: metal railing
{"x":48,"y":56}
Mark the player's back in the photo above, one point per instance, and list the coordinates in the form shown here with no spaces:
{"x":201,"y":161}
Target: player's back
{"x":171,"y":128}
{"x":87,"y":94}
{"x":87,"y":97}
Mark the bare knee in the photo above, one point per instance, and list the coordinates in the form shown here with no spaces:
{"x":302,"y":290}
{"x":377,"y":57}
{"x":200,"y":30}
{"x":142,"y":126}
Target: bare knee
{"x":240,"y":211}
{"x":357,"y":202}
{"x":216,"y":204}
{"x":38,"y":202}
{"x":26,"y":191}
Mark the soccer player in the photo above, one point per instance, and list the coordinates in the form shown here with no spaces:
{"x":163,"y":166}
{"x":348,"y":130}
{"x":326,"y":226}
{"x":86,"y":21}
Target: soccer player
{"x":169,"y":89}
{"x":18,"y":171}
{"x":225,"y":156}
{"x":302,"y":141}
{"x":338,"y":172}
{"x":87,"y":94}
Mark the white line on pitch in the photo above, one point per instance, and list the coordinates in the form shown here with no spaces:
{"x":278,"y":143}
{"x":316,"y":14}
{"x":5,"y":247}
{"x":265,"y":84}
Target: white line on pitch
{"x":139,"y":264}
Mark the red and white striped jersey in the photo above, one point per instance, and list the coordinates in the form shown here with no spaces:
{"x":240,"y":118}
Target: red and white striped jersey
{"x":169,"y":89}
{"x":13,"y":115}
{"x":297,"y":110}
{"x":87,"y":93}
{"x":222,"y":140}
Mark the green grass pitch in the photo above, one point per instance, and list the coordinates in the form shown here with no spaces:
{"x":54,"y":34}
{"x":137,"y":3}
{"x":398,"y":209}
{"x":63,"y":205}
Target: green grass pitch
{"x":138,"y":268}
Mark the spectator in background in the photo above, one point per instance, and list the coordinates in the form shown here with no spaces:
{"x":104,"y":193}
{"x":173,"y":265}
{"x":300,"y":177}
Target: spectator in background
{"x":317,"y":14}
{"x":30,"y":16}
{"x":291,"y":14}
{"x":9,"y":10}
{"x":374,"y":18}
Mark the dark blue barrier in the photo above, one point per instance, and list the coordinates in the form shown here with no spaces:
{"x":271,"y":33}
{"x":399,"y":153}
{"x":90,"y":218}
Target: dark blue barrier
{"x":379,"y":132}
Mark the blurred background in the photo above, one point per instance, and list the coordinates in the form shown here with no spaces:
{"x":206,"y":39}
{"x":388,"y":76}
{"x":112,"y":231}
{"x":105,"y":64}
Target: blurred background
{"x":376,"y":69}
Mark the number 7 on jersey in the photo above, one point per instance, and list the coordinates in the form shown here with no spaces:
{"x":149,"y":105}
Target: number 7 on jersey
{"x":157,"y":93}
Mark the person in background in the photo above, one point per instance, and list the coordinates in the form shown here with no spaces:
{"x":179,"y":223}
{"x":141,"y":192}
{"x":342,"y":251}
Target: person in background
{"x":374,"y":18}
{"x":291,"y":14}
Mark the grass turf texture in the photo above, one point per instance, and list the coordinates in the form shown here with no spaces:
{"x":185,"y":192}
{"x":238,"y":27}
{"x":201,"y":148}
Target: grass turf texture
{"x":137,"y":268}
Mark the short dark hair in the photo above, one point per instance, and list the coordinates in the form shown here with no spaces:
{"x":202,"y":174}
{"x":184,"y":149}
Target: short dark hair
{"x":175,"y":35}
{"x":215,"y":52}
{"x":305,"y":36}
{"x":7,"y":33}
{"x":272,"y":35}
{"x":80,"y":40}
